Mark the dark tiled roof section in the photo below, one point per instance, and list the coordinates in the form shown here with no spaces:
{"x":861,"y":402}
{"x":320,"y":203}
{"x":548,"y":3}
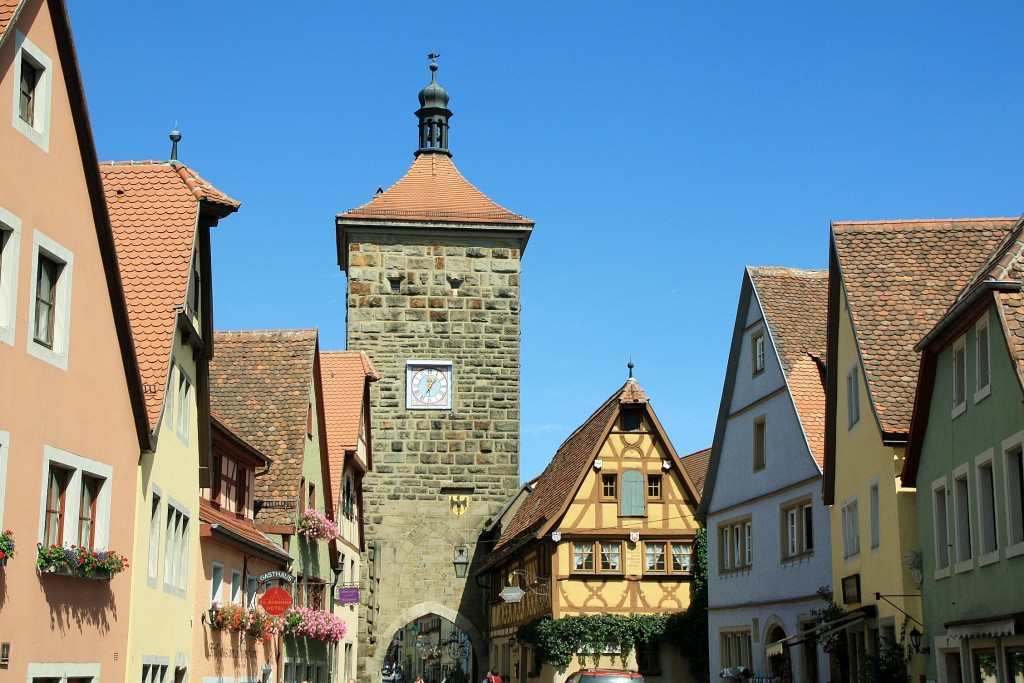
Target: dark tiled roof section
{"x":343,"y":375}
{"x":153,"y":208}
{"x":434,"y":190}
{"x":795,"y":307}
{"x":260,"y":382}
{"x":696,"y":466}
{"x":7,"y":11}
{"x":245,"y":528}
{"x":900,"y":276}
{"x":556,"y":482}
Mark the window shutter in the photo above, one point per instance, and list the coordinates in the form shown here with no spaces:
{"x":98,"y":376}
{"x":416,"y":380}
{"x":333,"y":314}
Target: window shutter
{"x":632,"y":494}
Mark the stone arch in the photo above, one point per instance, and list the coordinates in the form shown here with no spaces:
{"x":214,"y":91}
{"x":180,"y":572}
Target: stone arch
{"x":780,"y":667}
{"x":421,"y":609}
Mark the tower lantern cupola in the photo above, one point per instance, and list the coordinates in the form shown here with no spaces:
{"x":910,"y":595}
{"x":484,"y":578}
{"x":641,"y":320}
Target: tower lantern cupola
{"x":433,"y":115}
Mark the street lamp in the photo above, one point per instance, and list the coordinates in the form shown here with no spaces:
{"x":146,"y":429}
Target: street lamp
{"x":915,"y":642}
{"x":461,"y":561}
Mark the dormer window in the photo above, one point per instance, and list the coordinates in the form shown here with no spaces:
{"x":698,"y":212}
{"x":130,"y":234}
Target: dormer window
{"x":631,"y":419}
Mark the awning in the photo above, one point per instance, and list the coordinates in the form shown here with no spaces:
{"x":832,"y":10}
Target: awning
{"x":820,"y":631}
{"x":989,"y":628}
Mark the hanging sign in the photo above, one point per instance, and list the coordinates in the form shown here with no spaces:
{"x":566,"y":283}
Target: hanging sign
{"x":348,"y":595}
{"x":275,"y":601}
{"x":277,"y":574}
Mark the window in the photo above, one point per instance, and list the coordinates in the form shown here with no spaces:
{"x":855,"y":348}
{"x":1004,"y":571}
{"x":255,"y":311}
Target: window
{"x":757,"y":349}
{"x":941,"y":521}
{"x":851,"y":528}
{"x":959,"y":377}
{"x":611,"y":556}
{"x":654,"y":556}
{"x":236,"y":586}
{"x":154,"y":669}
{"x":176,"y":550}
{"x":75,"y":500}
{"x":63,"y":672}
{"x":735,"y":545}
{"x":633,"y":501}
{"x":873,"y":502}
{"x":682,"y":557}
{"x":348,"y":500}
{"x":962,"y":512}
{"x":309,"y":420}
{"x":252,"y":586}
{"x":653,"y":487}
{"x":311,"y":495}
{"x":852,"y":397}
{"x":154,"y":540}
{"x":631,"y":419}
{"x":1014,"y":473}
{"x":759,"y":443}
{"x":986,"y":508}
{"x":216,"y":583}
{"x":609,"y":486}
{"x":735,"y":648}
{"x":983,"y":368}
{"x":648,"y":658}
{"x":797,"y":529}
{"x":10,"y":247}
{"x":183,"y":408}
{"x":5,"y":441}
{"x":315,"y":594}
{"x":32,"y":69}
{"x":583,"y":557}
{"x":241,"y":501}
{"x":50,"y":313}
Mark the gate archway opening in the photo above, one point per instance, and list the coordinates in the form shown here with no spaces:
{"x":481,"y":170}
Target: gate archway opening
{"x":436,"y":644}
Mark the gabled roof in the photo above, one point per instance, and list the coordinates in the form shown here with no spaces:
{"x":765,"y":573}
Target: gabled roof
{"x":8,"y":9}
{"x":260,"y":382}
{"x":434,"y":190}
{"x":899,"y":278}
{"x":345,"y":376}
{"x":794,"y":303}
{"x":696,"y":466}
{"x":227,"y":526}
{"x":154,"y":209}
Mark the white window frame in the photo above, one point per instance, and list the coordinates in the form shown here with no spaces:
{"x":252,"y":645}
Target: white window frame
{"x":185,"y":389}
{"x":10,"y":245}
{"x":851,"y":527}
{"x":236,"y":586}
{"x":77,"y":466}
{"x":5,"y":448}
{"x":757,"y":361}
{"x":176,"y":548}
{"x":156,"y":503}
{"x":982,"y":361}
{"x":853,"y":397}
{"x":1013,"y":462}
{"x":252,"y":588}
{"x":216,"y":584}
{"x":797,"y":538}
{"x":963,"y":538}
{"x":874,"y":503}
{"x":985,"y":489}
{"x":39,"y":131}
{"x":64,"y":670}
{"x":959,"y":397}
{"x":158,"y":668}
{"x":940,"y":524}
{"x":57,"y":355}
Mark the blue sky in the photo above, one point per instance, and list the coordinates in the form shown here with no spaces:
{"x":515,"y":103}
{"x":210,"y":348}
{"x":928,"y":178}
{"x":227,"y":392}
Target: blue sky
{"x":659,"y":146}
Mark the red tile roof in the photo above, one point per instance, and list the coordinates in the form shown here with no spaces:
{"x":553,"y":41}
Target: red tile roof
{"x":900,"y":277}
{"x":244,"y":529}
{"x":795,"y":307}
{"x":344,"y":375}
{"x":260,"y":382}
{"x":153,"y":209}
{"x":696,"y":466}
{"x":7,"y":11}
{"x":434,"y":190}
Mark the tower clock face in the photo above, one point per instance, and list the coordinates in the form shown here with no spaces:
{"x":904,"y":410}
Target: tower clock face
{"x":429,"y":385}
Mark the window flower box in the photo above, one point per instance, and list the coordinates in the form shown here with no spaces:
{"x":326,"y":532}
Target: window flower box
{"x":304,"y":622}
{"x":98,"y":565}
{"x":6,"y":547}
{"x":316,"y":526}
{"x":230,"y":617}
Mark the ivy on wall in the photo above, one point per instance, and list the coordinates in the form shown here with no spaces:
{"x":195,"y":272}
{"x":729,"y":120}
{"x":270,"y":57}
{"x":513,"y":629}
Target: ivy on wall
{"x":555,"y":641}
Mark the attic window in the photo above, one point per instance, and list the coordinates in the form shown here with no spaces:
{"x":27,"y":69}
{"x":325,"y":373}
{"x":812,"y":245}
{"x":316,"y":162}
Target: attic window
{"x":309,"y":420}
{"x":630,"y":419}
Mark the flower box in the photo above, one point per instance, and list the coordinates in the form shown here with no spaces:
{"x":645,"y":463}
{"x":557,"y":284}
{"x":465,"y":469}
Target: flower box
{"x":77,"y":572}
{"x":316,"y":526}
{"x":99,"y":565}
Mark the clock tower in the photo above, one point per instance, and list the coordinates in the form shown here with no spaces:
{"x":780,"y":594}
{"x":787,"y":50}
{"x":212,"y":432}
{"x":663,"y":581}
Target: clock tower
{"x":433,"y":270}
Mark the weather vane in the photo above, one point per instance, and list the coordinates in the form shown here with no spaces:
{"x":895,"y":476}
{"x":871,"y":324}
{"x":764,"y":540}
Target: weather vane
{"x":433,"y":56}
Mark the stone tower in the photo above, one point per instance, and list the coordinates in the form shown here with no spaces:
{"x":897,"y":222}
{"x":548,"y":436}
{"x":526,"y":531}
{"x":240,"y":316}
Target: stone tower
{"x":433,"y":297}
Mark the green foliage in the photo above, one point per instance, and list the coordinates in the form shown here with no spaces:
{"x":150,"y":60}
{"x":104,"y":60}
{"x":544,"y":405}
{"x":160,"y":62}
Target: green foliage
{"x":688,"y":631}
{"x":556,"y":641}
{"x":834,"y":644}
{"x":891,"y":664}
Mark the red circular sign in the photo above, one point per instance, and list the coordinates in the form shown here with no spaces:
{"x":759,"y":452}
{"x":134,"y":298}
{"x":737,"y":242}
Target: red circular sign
{"x":275,"y":601}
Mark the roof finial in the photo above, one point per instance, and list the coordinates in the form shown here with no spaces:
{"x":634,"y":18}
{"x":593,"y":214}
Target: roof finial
{"x":175,"y":138}
{"x":630,"y":366}
{"x":433,"y":115}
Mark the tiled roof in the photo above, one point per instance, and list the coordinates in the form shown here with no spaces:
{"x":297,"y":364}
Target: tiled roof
{"x":434,"y":190}
{"x":696,"y":466}
{"x":900,"y":276}
{"x":260,"y":382}
{"x":558,"y":480}
{"x":795,"y":307}
{"x":7,"y":11}
{"x":153,"y":208}
{"x":343,"y":375}
{"x":245,"y":528}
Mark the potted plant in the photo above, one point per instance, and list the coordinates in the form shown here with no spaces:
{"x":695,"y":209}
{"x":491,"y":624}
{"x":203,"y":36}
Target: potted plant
{"x":261,"y":626}
{"x":81,"y":562}
{"x":230,"y":617}
{"x":6,"y":547}
{"x":316,"y":526}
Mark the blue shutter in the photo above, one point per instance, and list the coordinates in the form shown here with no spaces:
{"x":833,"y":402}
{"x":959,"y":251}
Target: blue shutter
{"x":633,"y":494}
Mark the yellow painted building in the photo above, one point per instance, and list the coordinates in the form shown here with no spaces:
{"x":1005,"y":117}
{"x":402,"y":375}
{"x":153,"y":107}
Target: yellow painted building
{"x":608,"y":529}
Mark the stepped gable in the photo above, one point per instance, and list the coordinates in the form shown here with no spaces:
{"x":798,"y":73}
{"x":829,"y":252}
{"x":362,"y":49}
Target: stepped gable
{"x":900,"y":277}
{"x":343,"y":375}
{"x":153,"y":207}
{"x":260,"y":382}
{"x":433,"y":190}
{"x":696,"y":466}
{"x":558,"y":481}
{"x":795,"y":307}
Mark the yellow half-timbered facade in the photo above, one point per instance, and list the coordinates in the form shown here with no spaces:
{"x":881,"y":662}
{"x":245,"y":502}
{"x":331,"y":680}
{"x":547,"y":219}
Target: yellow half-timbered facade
{"x":608,"y":529}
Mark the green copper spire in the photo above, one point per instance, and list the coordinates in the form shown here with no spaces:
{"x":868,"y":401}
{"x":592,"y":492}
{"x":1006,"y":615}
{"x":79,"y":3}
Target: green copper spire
{"x":433,"y":115}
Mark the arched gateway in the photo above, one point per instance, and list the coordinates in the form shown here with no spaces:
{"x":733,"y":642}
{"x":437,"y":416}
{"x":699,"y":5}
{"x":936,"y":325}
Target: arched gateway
{"x":433,"y":270}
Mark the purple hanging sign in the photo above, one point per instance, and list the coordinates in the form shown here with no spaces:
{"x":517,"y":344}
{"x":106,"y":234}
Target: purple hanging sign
{"x":348,"y":595}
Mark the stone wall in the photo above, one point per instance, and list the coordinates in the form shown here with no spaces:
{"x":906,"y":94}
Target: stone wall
{"x":457,"y":300}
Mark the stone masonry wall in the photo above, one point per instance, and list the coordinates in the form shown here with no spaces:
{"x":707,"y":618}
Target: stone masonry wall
{"x":422,"y":457}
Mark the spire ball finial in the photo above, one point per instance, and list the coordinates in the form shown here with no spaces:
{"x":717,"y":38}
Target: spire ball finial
{"x":175,"y":137}
{"x":630,"y":366}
